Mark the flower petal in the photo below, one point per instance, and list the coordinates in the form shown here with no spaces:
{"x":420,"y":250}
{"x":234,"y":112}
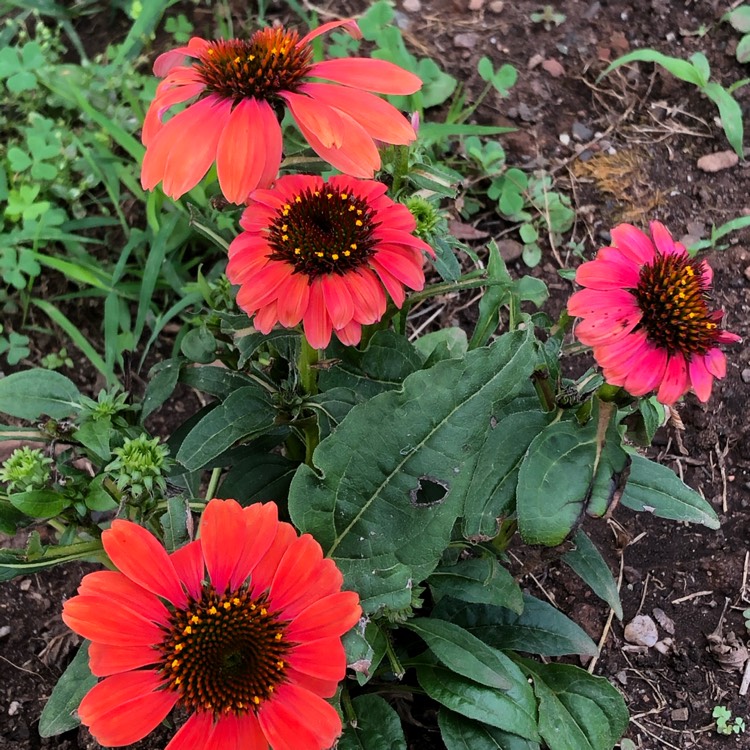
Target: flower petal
{"x":261,"y":524}
{"x":139,"y":555}
{"x":403,"y":264}
{"x":675,"y":382}
{"x":700,"y":378}
{"x":611,"y":270}
{"x":106,"y":659}
{"x":633,"y":243}
{"x":324,"y":659}
{"x":124,"y":708}
{"x":349,"y":24}
{"x":379,"y":76}
{"x":615,"y":302}
{"x":95,"y":618}
{"x":663,"y":240}
{"x":394,"y":287}
{"x":188,"y":563}
{"x":222,"y":533}
{"x":350,"y":334}
{"x":299,"y":720}
{"x":606,"y":328}
{"x":647,"y":371}
{"x":316,"y":322}
{"x":716,"y":362}
{"x":368,"y":296}
{"x":294,"y":295}
{"x":265,"y":570}
{"x":118,"y":588}
{"x":337,"y":298}
{"x":331,"y":616}
{"x":194,"y":733}
{"x":264,"y":288}
{"x":152,"y":124}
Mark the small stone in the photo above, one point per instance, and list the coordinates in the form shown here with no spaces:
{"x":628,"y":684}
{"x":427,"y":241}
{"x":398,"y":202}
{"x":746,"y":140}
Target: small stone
{"x":476,"y":4}
{"x":468,"y":40}
{"x":534,"y":61}
{"x":496,"y":6}
{"x":25,"y":585}
{"x":664,"y":646}
{"x":680,"y":714}
{"x":747,"y":273}
{"x":622,"y":677}
{"x":412,"y":6}
{"x":525,"y":113}
{"x":553,"y":67}
{"x":564,"y":139}
{"x":665,"y":621}
{"x":641,"y":631}
{"x":632,"y":575}
{"x":4,"y":630}
{"x":510,"y":250}
{"x":581,"y":132}
{"x":745,"y":375}
{"x":13,"y":708}
{"x":717,"y":161}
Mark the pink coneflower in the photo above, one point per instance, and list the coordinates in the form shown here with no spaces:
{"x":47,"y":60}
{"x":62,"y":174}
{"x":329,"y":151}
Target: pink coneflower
{"x":250,"y":649}
{"x":324,"y":254}
{"x":240,"y":89}
{"x":646,"y":315}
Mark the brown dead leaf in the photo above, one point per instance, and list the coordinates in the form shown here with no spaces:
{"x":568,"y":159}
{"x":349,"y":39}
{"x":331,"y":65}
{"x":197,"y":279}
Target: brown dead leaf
{"x":553,"y":67}
{"x":465,"y":231}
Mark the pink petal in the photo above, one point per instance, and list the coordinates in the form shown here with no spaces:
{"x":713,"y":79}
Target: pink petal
{"x":663,"y":240}
{"x":613,"y":355}
{"x":615,"y":302}
{"x":350,"y":334}
{"x":394,"y":287}
{"x":141,"y":557}
{"x":379,"y":76}
{"x":312,"y":116}
{"x":368,"y":296}
{"x":266,"y":318}
{"x":646,"y":372}
{"x":716,"y":362}
{"x":608,"y":272}
{"x":405,"y":265}
{"x":633,"y":243}
{"x":175,"y":95}
{"x":264,"y":287}
{"x":675,"y":382}
{"x":606,"y":328}
{"x":700,"y":378}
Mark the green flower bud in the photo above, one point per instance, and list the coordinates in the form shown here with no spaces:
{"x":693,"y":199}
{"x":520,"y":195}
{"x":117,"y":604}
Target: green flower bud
{"x":139,"y":465}
{"x":26,"y":469}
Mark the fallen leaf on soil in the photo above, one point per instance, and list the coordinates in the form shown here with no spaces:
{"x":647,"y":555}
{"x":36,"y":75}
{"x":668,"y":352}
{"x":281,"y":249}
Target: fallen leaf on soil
{"x":534,"y":61}
{"x":718,"y":161}
{"x":665,"y":621}
{"x":553,"y":67}
{"x":641,"y":631}
{"x":510,"y":250}
{"x":729,"y":651}
{"x":465,"y":231}
{"x":468,"y":40}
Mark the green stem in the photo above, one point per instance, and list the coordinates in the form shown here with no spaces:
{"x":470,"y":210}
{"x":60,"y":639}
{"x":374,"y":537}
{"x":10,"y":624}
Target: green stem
{"x":504,"y":536}
{"x":396,"y":667}
{"x":308,"y":374}
{"x":312,"y":438}
{"x":400,"y":168}
{"x":213,"y":483}
{"x":350,"y":715}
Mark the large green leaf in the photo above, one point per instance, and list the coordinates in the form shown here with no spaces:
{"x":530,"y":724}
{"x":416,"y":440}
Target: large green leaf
{"x":460,"y":733}
{"x":577,"y":711}
{"x":462,"y":652}
{"x":32,"y":393}
{"x":58,"y":713}
{"x":478,"y":580}
{"x":258,"y":477}
{"x":492,"y":492}
{"x":246,"y":413}
{"x":378,"y":727}
{"x":539,"y":629}
{"x":365,"y":651}
{"x":389,"y":484}
{"x":586,"y":560}
{"x":656,"y":489}
{"x":513,"y":710}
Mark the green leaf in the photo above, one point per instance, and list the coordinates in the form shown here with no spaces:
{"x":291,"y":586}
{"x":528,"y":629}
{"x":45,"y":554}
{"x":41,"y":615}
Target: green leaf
{"x":513,"y":710}
{"x":174,"y":523}
{"x":730,"y":113}
{"x":39,"y":503}
{"x":58,"y":715}
{"x":246,"y":413}
{"x":742,"y":53}
{"x":492,"y":299}
{"x":539,"y":629}
{"x":681,"y":69}
{"x":462,"y":652}
{"x":331,"y":407}
{"x":479,"y":580}
{"x":33,"y":393}
{"x":97,"y":498}
{"x":217,"y":381}
{"x":739,"y":18}
{"x":460,"y":733}
{"x":587,"y":562}
{"x":199,"y":345}
{"x":163,"y":378}
{"x":656,"y":489}
{"x":577,"y":711}
{"x":365,"y":652}
{"x":95,"y":435}
{"x":377,"y":728}
{"x":447,"y":343}
{"x":258,"y":478}
{"x":394,"y":516}
{"x":492,"y":492}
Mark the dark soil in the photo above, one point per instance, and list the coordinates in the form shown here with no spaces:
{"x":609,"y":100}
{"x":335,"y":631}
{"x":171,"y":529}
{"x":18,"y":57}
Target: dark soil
{"x":624,"y":148}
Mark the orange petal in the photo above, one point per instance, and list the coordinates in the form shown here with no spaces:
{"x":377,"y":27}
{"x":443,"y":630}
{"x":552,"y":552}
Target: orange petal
{"x":119,"y":588}
{"x":316,"y":322}
{"x":134,"y":719}
{"x":299,"y":720}
{"x":242,"y":151}
{"x":331,"y":616}
{"x":266,"y":318}
{"x":188,"y":563}
{"x":106,"y":659}
{"x":95,"y":618}
{"x":380,"y":119}
{"x":394,"y":287}
{"x":324,"y":659}
{"x":264,"y":287}
{"x":194,"y":733}
{"x":320,"y":119}
{"x":405,"y":265}
{"x":261,"y":523}
{"x":366,"y":73}
{"x":223,"y":535}
{"x":323,"y":688}
{"x":140,"y":556}
{"x":338,"y":299}
{"x":368,"y":296}
{"x":294,"y":295}
{"x":264,"y":571}
{"x":153,"y":124}
{"x":168,"y":60}
{"x":320,"y":581}
{"x":350,"y":334}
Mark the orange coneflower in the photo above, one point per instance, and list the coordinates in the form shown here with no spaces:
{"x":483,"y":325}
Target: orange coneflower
{"x":324,"y":254}
{"x":241,"y":87}
{"x":250,"y":649}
